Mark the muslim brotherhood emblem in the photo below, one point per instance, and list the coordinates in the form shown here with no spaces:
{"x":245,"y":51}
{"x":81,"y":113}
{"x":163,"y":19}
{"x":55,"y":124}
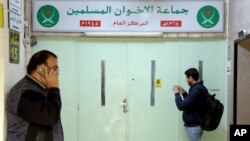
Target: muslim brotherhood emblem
{"x":48,"y":16}
{"x":208,"y":16}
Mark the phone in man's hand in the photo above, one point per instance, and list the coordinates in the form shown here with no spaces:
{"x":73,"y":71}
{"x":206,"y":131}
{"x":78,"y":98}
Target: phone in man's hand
{"x":42,"y":69}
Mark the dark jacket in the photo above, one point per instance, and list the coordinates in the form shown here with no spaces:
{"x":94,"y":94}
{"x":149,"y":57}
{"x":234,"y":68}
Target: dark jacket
{"x":191,"y":103}
{"x":33,"y":112}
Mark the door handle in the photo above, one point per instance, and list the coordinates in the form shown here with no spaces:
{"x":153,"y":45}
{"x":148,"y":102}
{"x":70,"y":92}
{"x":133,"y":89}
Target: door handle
{"x":124,"y":104}
{"x":103,"y":82}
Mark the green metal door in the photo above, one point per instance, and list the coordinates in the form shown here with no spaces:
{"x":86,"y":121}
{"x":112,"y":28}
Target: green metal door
{"x":152,"y":112}
{"x":107,"y":89}
{"x":102,"y":89}
{"x":66,"y":53}
{"x":209,"y":57}
{"x":119,"y":90}
{"x":149,"y":112}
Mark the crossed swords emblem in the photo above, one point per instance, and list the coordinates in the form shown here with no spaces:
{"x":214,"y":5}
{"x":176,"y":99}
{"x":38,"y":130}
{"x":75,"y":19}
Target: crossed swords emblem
{"x":49,"y":18}
{"x":208,"y":20}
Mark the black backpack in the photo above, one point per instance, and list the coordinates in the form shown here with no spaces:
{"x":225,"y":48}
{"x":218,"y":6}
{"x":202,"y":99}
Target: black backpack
{"x":211,"y":113}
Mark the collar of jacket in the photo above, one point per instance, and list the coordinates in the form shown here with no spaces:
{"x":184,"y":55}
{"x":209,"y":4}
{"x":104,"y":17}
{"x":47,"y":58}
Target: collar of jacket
{"x":36,"y":82}
{"x":198,"y":83}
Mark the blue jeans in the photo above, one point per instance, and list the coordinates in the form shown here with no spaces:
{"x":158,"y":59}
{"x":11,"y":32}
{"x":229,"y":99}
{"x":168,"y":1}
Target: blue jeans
{"x":194,"y":133}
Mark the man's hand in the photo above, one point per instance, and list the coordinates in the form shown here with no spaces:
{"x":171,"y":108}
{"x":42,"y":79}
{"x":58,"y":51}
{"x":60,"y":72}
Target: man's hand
{"x":181,"y":90}
{"x":51,"y":79}
{"x":176,"y":89}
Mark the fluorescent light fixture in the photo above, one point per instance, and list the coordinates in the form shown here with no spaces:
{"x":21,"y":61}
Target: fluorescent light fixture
{"x":102,"y":34}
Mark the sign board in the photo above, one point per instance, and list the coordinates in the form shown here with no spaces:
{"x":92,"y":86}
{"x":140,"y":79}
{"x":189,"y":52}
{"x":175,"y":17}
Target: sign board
{"x":15,"y":22}
{"x":1,"y":15}
{"x":14,"y":50}
{"x":15,"y":6}
{"x":128,"y":16}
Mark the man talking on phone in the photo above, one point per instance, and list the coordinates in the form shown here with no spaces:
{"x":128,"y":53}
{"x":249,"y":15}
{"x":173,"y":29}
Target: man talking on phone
{"x":34,"y":103}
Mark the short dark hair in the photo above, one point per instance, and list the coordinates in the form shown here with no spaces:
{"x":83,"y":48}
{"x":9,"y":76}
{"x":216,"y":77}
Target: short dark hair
{"x":193,"y":72}
{"x":38,"y":59}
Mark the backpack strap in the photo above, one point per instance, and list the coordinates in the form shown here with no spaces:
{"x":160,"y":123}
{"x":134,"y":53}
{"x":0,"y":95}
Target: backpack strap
{"x":205,"y":92}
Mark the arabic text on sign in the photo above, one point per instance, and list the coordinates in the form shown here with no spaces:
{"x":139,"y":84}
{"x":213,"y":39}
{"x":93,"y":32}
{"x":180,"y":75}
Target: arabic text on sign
{"x":171,"y":23}
{"x":130,"y":23}
{"x":90,"y":23}
{"x":125,"y":11}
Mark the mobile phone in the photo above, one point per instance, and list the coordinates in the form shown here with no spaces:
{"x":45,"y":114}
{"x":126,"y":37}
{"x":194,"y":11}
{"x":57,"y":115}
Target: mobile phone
{"x":42,"y":69}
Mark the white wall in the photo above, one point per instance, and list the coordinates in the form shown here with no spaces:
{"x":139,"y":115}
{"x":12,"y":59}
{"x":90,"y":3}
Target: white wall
{"x":239,"y":17}
{"x":9,"y":73}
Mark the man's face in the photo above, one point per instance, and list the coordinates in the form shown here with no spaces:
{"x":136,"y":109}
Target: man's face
{"x":52,"y":63}
{"x":188,"y":80}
